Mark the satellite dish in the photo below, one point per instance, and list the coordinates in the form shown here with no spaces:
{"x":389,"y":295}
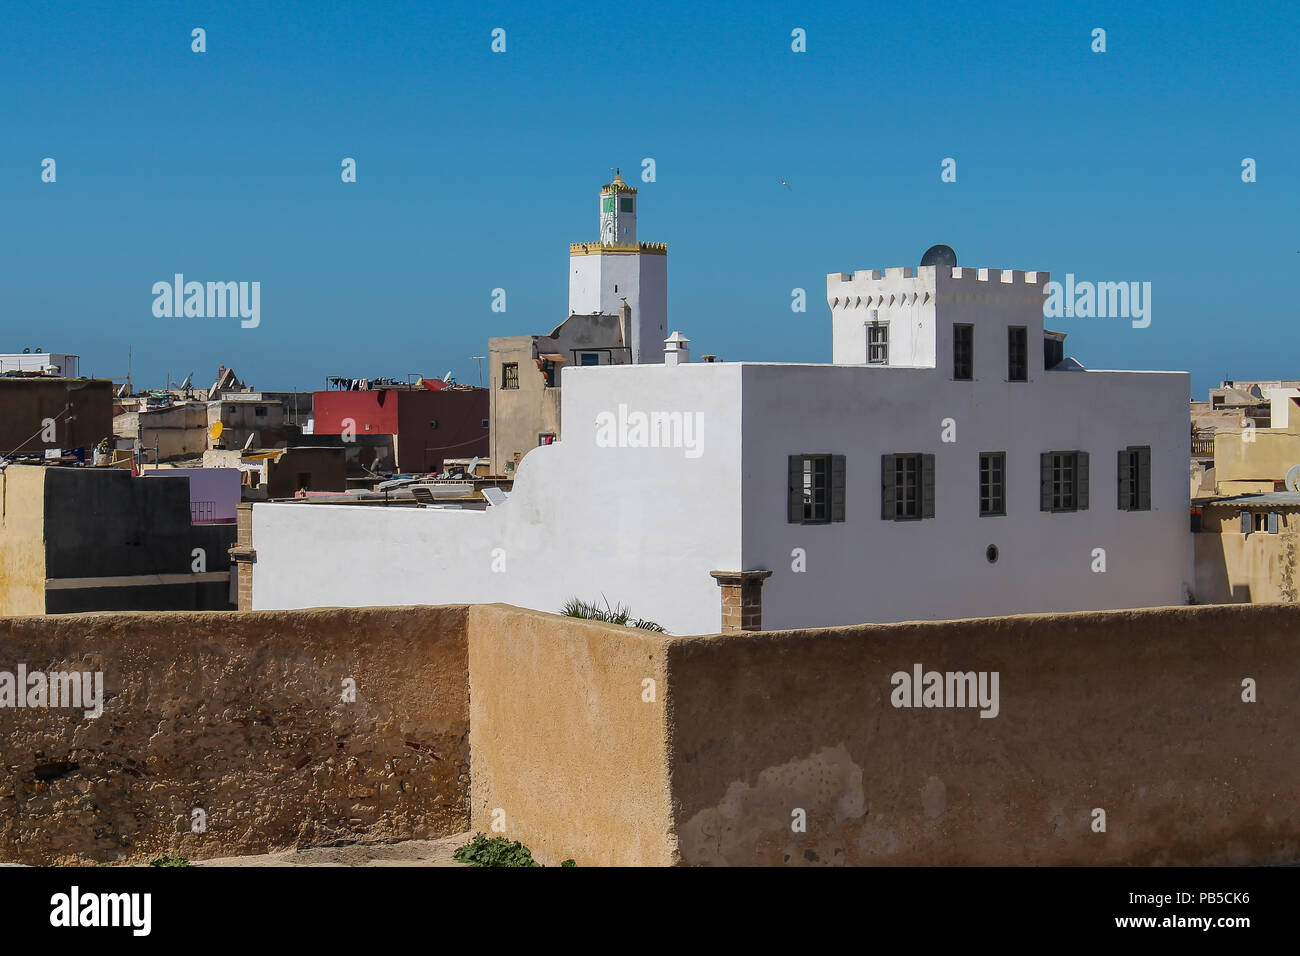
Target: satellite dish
{"x":447,"y":377}
{"x":472,"y":466}
{"x":939,"y":255}
{"x":1293,"y":478}
{"x":186,"y":384}
{"x":216,"y":430}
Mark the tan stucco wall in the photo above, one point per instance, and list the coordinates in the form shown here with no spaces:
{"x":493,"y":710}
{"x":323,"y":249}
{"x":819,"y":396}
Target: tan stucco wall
{"x":239,"y":714}
{"x":564,"y":742}
{"x":1135,"y":712}
{"x":22,"y":539}
{"x":1235,"y":568}
{"x":1266,"y":459}
{"x":180,"y":431}
{"x":519,"y":415}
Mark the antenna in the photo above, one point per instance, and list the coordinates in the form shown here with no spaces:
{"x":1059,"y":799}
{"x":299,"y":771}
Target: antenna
{"x":479,"y":359}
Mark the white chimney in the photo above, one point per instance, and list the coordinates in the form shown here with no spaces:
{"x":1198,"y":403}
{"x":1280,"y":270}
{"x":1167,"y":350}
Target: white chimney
{"x":676,"y":350}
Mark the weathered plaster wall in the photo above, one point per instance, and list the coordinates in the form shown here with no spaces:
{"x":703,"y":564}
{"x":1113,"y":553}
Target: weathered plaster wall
{"x":569,"y":741}
{"x":1139,"y":713}
{"x":1265,"y":457}
{"x":22,"y":540}
{"x":240,"y":714}
{"x":577,"y":754}
{"x":1236,"y":568}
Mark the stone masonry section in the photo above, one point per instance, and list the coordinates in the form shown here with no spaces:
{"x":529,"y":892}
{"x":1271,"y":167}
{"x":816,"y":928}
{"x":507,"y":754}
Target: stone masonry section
{"x":742,"y":599}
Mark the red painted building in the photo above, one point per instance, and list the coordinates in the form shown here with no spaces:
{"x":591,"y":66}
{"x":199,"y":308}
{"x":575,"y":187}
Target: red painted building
{"x":430,"y":422}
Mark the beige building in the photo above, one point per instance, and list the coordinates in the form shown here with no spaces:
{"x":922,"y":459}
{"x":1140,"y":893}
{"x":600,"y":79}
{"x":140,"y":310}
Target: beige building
{"x":1246,"y":549}
{"x":187,"y":429}
{"x":525,"y":379}
{"x":283,"y":472}
{"x":171,"y":432}
{"x":1254,"y":460}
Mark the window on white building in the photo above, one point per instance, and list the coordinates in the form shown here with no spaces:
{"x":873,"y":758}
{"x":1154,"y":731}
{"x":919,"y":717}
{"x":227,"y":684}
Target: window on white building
{"x":1064,"y":481}
{"x":907,"y":487}
{"x":878,"y":343}
{"x":1134,"y":470}
{"x":816,"y":489}
{"x":1017,"y":354}
{"x":993,"y":485}
{"x":963,"y":352}
{"x":510,"y":375}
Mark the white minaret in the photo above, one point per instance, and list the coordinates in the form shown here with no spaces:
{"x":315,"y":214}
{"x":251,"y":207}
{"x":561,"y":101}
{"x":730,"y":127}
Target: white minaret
{"x":618,"y":213}
{"x":618,"y":268}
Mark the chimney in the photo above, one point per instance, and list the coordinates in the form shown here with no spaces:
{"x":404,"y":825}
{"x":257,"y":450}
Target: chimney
{"x":676,"y":351}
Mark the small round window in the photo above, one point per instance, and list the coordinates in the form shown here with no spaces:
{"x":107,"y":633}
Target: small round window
{"x":991,"y":552}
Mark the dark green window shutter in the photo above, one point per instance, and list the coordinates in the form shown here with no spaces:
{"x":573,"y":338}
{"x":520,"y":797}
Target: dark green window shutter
{"x":887,"y":489}
{"x":927,"y":486}
{"x":1045,"y":480}
{"x":837,"y":487}
{"x":1272,"y":522}
{"x":1245,"y":522}
{"x":795,"y":515}
{"x":1081,"y":482}
{"x":1144,"y":478}
{"x":1125,"y":478}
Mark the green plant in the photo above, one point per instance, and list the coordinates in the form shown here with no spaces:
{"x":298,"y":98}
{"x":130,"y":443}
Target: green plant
{"x":618,"y":614}
{"x":568,"y":863}
{"x":497,"y":851}
{"x":166,"y":860}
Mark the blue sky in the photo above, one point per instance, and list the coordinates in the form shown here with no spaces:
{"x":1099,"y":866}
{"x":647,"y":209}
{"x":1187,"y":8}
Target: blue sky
{"x":475,"y":170}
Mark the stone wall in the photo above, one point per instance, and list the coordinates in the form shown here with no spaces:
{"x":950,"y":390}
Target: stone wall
{"x":615,"y":746}
{"x":784,"y":748}
{"x":1137,"y":713}
{"x":240,"y":715}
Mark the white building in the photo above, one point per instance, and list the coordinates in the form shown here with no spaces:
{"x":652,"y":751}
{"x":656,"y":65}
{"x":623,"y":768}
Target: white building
{"x":49,"y":363}
{"x":618,"y":268}
{"x":937,"y":469}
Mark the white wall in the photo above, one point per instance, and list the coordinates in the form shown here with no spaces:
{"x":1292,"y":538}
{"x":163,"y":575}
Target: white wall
{"x":1280,"y":406}
{"x":638,"y":526}
{"x":36,"y":361}
{"x":600,"y":283}
{"x":869,"y":569}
